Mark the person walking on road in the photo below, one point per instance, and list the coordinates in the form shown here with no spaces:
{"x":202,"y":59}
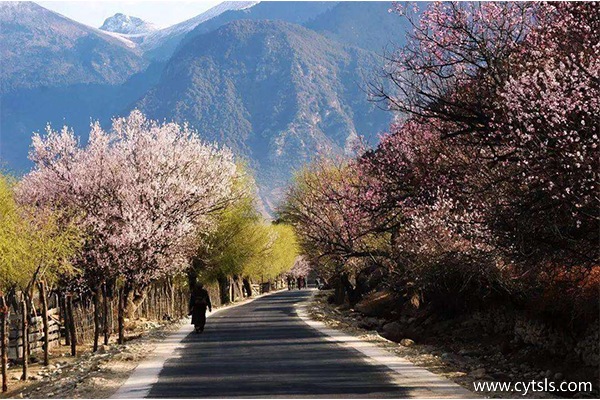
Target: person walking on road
{"x":199,"y":302}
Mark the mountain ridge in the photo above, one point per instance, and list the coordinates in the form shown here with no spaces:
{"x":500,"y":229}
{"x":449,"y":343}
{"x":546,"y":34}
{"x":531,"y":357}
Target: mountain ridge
{"x":275,"y":92}
{"x":160,"y":44}
{"x":272,"y":80}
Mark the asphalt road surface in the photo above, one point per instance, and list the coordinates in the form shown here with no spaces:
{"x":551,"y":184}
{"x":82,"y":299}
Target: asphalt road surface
{"x":263,"y":349}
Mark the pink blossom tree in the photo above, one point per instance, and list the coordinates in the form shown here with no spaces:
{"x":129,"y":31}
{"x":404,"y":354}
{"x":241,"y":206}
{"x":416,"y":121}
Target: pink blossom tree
{"x":488,"y":183}
{"x":513,"y":86}
{"x":326,"y":207}
{"x":300,"y":268}
{"x":547,"y":114}
{"x":437,"y":237}
{"x":336,"y":230}
{"x":140,"y":191}
{"x":455,"y":58}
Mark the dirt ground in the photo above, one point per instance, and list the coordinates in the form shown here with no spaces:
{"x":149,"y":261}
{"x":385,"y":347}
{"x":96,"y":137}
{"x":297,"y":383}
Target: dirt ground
{"x":89,"y":375}
{"x":462,"y":364}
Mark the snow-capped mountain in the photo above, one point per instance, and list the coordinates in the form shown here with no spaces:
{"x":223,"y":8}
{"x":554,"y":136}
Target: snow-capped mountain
{"x":127,"y":25}
{"x":161,"y":44}
{"x":39,"y":47}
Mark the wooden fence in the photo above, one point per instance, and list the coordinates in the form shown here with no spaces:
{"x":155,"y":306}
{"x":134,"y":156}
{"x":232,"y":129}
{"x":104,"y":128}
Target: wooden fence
{"x":35,"y":331}
{"x":161,"y":301}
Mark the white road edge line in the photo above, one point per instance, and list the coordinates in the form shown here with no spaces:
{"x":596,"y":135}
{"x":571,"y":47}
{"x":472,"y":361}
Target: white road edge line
{"x":419,"y":381}
{"x":146,"y":373}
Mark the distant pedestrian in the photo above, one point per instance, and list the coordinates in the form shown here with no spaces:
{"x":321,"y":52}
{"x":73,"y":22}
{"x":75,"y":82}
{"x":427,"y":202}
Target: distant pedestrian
{"x":290,"y":282}
{"x":199,"y":302}
{"x":322,"y":283}
{"x":301,"y":282}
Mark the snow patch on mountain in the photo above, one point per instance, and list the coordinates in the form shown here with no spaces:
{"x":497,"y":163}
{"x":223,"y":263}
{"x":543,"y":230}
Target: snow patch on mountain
{"x":155,"y":38}
{"x":139,"y":34}
{"x":127,"y":25}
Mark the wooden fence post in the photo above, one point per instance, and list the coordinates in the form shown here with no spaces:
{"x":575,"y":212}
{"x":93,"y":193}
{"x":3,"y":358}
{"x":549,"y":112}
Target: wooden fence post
{"x":71,"y":325}
{"x":65,"y":318}
{"x":44,"y":302}
{"x":123,"y":294}
{"x":96,"y":318}
{"x":24,"y":337}
{"x":4,"y":315}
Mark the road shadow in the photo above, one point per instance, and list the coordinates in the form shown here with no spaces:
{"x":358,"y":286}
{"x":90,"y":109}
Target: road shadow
{"x":263,"y":349}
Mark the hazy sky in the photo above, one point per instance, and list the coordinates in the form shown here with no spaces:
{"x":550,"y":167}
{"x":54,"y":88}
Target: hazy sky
{"x":161,"y":13}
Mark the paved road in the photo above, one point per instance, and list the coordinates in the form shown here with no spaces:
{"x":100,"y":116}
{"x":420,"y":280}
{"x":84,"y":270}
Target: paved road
{"x":263,"y":349}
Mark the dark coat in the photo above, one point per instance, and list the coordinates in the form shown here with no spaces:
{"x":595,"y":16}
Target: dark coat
{"x":199,"y":302}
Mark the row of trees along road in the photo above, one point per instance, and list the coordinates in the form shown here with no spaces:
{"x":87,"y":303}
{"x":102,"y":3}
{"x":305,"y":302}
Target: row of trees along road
{"x":243,"y":245}
{"x":485,"y":190}
{"x":141,"y":202}
{"x":35,"y":248}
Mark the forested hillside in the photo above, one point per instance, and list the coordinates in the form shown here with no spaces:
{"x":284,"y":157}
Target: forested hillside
{"x":432,"y":169}
{"x":275,"y":93}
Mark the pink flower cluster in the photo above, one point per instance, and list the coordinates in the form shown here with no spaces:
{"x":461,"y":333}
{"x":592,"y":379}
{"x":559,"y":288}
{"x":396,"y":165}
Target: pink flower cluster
{"x":140,"y":192}
{"x":492,"y":172}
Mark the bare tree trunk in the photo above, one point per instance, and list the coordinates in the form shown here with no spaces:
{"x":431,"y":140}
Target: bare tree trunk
{"x":247,"y":287}
{"x":121,"y":316}
{"x":65,"y":317}
{"x":25,"y":337}
{"x":30,"y":309}
{"x":339,"y":291}
{"x":123,"y":295}
{"x":4,"y":315}
{"x":224,"y":289}
{"x":71,"y":325}
{"x":111,"y":305}
{"x":96,"y":318}
{"x":237,"y":287}
{"x":44,"y":302}
{"x":171,"y":287}
{"x":135,"y":297}
{"x":105,"y":310}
